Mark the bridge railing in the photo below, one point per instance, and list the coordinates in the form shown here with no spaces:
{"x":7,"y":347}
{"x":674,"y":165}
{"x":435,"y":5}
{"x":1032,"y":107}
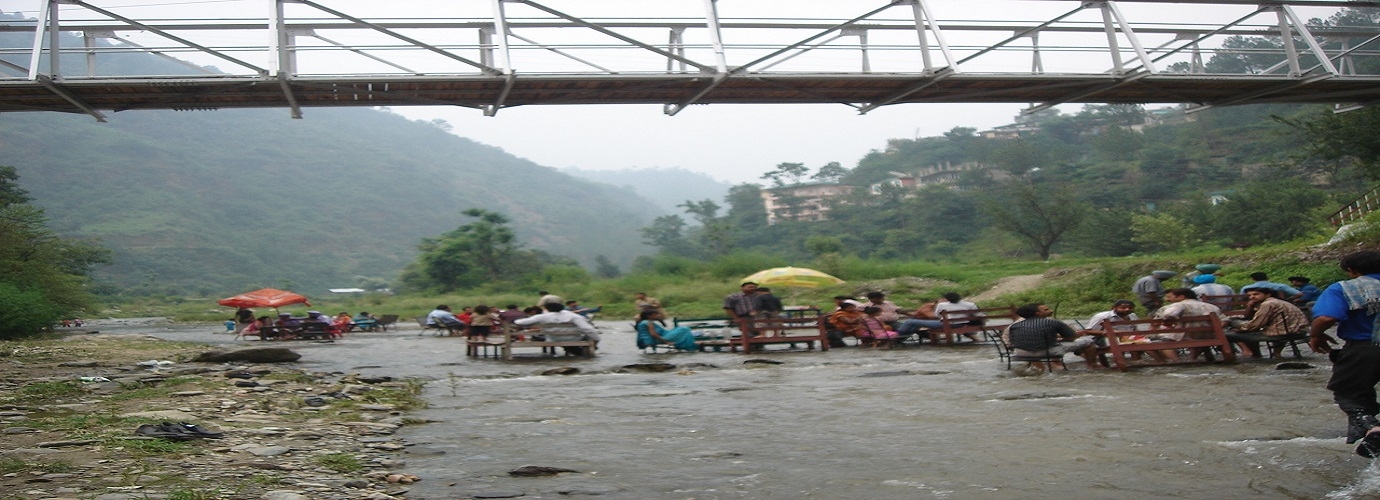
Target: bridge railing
{"x":305,"y":38}
{"x":1357,"y":208}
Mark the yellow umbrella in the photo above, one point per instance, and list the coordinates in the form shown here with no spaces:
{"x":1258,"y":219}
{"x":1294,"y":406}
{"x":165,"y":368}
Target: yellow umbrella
{"x":792,"y":276}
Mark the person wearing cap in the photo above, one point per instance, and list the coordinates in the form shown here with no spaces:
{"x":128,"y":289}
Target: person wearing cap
{"x":1199,"y":270}
{"x":1212,"y":292}
{"x":1284,"y":291}
{"x":1150,"y":290}
{"x":288,"y":326}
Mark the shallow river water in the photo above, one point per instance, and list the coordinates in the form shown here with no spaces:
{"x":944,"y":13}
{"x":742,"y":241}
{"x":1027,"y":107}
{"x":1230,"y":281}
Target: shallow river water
{"x":928,"y":422}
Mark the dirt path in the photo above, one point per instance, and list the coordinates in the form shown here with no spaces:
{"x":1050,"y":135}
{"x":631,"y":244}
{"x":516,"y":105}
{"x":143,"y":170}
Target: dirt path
{"x":1009,"y":284}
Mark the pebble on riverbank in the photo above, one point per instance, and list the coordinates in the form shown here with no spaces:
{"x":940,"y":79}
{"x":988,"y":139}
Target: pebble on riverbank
{"x":71,"y":407}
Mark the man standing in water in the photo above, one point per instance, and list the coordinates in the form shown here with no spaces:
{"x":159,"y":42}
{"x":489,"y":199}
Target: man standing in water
{"x":1353,"y":306}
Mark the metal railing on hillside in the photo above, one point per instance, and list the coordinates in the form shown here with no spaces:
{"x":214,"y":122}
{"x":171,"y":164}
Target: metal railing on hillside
{"x":1358,"y":208}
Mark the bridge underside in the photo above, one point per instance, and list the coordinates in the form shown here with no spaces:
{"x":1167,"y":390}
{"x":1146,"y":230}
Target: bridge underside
{"x":852,"y":89}
{"x":500,"y":54}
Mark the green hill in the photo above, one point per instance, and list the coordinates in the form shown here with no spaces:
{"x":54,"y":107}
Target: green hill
{"x":216,"y":201}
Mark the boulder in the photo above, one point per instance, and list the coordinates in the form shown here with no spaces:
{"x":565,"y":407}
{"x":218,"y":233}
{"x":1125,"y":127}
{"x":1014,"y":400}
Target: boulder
{"x":249,"y":354}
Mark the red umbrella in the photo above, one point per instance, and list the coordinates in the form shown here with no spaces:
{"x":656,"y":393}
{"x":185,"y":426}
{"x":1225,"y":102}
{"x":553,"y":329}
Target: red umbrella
{"x":266,"y":297}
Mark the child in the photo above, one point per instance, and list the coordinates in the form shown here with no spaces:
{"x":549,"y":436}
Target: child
{"x":875,"y":329}
{"x":482,"y":322}
{"x":847,"y":320}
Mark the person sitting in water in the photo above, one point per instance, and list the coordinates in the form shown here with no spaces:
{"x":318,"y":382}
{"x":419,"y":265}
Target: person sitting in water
{"x":556,"y":313}
{"x":261,"y":327}
{"x":1038,"y":334}
{"x":288,"y":326}
{"x":650,"y":333}
{"x":845,"y":322}
{"x":875,"y":331}
{"x":953,"y":302}
{"x":1273,"y":318}
{"x":575,"y":307}
{"x":442,"y":317}
{"x":343,"y":322}
{"x":365,"y":321}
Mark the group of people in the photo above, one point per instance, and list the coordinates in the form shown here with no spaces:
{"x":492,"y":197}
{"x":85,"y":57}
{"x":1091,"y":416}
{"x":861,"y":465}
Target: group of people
{"x":481,"y":321}
{"x":287,"y":327}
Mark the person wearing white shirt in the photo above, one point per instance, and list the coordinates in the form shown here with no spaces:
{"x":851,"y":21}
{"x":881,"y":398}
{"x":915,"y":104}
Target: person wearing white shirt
{"x":556,"y":313}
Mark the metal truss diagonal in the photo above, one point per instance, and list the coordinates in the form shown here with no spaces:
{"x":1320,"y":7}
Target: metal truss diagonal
{"x":49,"y":84}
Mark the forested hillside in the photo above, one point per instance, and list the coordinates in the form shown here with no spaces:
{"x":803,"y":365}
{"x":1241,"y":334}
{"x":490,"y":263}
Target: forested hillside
{"x":665,"y":187}
{"x":1098,"y":182}
{"x":217,"y":201}
{"x":212,"y":202}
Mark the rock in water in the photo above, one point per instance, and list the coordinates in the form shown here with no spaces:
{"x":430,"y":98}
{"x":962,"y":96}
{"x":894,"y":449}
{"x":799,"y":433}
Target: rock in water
{"x":249,"y":354}
{"x":651,"y":367}
{"x":1293,"y":365}
{"x":565,"y":370}
{"x":762,"y":362}
{"x":537,"y":471}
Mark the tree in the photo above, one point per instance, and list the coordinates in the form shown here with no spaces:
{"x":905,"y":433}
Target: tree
{"x":605,"y":268}
{"x":666,"y":233}
{"x":42,"y":276}
{"x":1162,"y":232}
{"x":715,"y":233}
{"x":1344,"y":137}
{"x":1269,"y":211}
{"x":1040,"y":214}
{"x":793,"y":172}
{"x":830,"y":172}
{"x":480,"y":252}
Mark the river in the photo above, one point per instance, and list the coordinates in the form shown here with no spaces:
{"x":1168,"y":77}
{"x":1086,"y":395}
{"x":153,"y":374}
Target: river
{"x":928,"y":422}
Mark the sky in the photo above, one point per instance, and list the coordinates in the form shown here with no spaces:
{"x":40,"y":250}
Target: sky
{"x":733,"y":143}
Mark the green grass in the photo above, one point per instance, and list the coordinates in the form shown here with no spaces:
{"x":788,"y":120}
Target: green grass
{"x":1079,"y":285}
{"x":9,"y":465}
{"x":139,"y":390}
{"x":190,"y":494}
{"x":339,"y":462}
{"x":45,"y":391}
{"x":152,"y":447}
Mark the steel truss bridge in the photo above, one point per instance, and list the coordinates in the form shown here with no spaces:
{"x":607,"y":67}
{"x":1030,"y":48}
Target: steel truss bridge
{"x":61,"y":55}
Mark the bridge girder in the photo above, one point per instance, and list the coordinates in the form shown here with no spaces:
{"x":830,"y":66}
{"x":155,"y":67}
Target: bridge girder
{"x":311,"y":54}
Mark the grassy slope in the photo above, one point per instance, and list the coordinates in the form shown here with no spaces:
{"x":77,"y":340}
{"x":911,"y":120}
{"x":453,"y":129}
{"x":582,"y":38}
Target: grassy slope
{"x":1079,"y":287}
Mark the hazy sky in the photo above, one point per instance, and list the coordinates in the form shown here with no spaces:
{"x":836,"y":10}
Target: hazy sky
{"x":735,"y":143}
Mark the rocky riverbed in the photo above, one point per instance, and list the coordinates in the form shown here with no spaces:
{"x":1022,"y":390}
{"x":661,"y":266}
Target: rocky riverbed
{"x":70,"y":409}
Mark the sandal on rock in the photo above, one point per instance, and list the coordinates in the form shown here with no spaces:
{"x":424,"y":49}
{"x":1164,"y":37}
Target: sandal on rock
{"x":163,"y":431}
{"x":1369,"y":446}
{"x":198,"y":430}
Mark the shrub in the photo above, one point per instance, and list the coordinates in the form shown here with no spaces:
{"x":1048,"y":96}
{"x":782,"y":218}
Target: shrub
{"x":25,"y":312}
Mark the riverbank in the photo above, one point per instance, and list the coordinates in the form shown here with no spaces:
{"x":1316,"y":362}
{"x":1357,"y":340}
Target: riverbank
{"x":71,"y":406}
{"x":914,"y":422}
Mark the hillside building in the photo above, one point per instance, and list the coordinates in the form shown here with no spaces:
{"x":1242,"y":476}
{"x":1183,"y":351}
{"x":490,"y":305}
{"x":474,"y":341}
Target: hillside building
{"x":805,"y":202}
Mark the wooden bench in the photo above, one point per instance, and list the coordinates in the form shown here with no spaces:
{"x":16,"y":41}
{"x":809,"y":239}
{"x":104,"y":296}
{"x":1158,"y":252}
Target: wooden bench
{"x":553,"y":335}
{"x":760,"y":332}
{"x":1198,"y":332}
{"x":972,"y":321}
{"x":710,"y":333}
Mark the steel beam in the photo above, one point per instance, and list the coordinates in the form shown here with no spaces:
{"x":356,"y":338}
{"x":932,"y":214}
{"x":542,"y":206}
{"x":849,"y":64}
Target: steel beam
{"x":53,"y":86}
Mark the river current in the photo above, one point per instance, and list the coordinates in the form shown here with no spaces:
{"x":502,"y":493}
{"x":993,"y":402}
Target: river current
{"x":851,"y":423}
